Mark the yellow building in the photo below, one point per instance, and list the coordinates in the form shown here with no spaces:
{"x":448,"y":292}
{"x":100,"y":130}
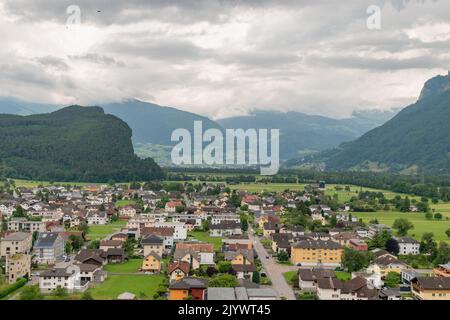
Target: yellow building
{"x":431,"y":288}
{"x":17,"y":266}
{"x":152,"y":263}
{"x":316,"y":252}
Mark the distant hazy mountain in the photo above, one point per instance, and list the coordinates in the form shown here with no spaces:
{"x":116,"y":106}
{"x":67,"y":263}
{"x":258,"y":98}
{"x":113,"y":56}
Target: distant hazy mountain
{"x":416,"y":140}
{"x":14,"y":106}
{"x":71,"y":144}
{"x":301,"y":133}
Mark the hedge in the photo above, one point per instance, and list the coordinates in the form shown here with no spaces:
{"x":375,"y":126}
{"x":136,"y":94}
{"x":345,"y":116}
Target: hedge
{"x":18,"y":284}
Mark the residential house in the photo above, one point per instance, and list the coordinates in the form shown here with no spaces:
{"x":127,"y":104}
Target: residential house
{"x":188,"y":287}
{"x":358,"y":245}
{"x":110,"y":244}
{"x":163,"y":232}
{"x":354,"y":289}
{"x":178,"y":270}
{"x":307,"y":278}
{"x":127,"y":212}
{"x":204,"y":251}
{"x":92,"y":273}
{"x":431,"y":288}
{"x":408,"y":245}
{"x":152,"y":263}
{"x":153,"y":244}
{"x":97,"y":218}
{"x":17,"y":266}
{"x":18,"y":242}
{"x":172,"y":206}
{"x":316,"y":253}
{"x":115,"y":255}
{"x":225,"y":229}
{"x":22,"y":224}
{"x":180,"y":229}
{"x":282,"y":242}
{"x":91,"y":256}
{"x":269,"y":228}
{"x":442,"y":270}
{"x":49,"y":248}
{"x":68,"y":278}
{"x":387,"y":263}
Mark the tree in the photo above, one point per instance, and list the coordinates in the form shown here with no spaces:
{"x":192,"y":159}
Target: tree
{"x":283,"y":256}
{"x":211,"y":271}
{"x":447,"y":232}
{"x":392,"y":279}
{"x":224,"y":266}
{"x":379,"y":240}
{"x":83,"y":227}
{"x":87,"y":296}
{"x":223,"y":281}
{"x":128,"y":246}
{"x":353,"y":260}
{"x":256,"y":278}
{"x":427,"y":244}
{"x":438,"y":216}
{"x":206,"y":224}
{"x":31,"y":293}
{"x":443,"y":253}
{"x":60,"y":292}
{"x":392,"y":246}
{"x":68,"y":248}
{"x":428,"y":216}
{"x":333,"y":221}
{"x":94,"y":244}
{"x":244,"y":223}
{"x":402,"y":226}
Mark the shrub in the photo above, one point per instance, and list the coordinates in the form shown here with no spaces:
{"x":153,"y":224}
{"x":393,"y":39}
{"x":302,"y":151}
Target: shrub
{"x":13,"y":287}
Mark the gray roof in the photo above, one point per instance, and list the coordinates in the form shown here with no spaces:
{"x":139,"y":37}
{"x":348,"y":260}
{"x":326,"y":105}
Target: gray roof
{"x":59,"y":272}
{"x":46,"y":239}
{"x":261,"y":292}
{"x":17,"y":236}
{"x":221,"y":294}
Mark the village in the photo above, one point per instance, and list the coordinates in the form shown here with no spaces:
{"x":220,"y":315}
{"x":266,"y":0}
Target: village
{"x":208,"y":241}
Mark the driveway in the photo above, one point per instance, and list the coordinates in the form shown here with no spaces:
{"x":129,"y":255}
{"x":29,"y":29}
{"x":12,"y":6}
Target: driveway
{"x":274,"y":270}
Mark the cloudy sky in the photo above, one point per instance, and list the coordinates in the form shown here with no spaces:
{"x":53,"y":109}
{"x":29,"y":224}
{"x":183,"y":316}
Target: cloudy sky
{"x":224,"y":57}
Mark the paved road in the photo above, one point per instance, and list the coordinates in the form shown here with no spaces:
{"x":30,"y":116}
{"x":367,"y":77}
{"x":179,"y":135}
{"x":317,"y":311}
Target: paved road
{"x":274,"y":270}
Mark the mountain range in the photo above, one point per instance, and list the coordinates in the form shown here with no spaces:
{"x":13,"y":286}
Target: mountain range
{"x":417,"y":140}
{"x":152,"y":126}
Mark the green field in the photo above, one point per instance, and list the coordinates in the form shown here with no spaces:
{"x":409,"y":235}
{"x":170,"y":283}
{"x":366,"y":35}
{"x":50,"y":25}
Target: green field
{"x":204,"y":237}
{"x":421,"y":225}
{"x":345,"y":196}
{"x":124,"y":203}
{"x":269,"y":187}
{"x":131,"y":266}
{"x":100,"y":232}
{"x":114,"y":285}
{"x":33,"y":184}
{"x":443,"y":208}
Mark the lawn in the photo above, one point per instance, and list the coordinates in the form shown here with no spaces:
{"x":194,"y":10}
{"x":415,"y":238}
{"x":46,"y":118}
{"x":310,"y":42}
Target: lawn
{"x":204,"y":237}
{"x":289,"y":276}
{"x":124,"y":203}
{"x":139,"y":285}
{"x":100,"y":232}
{"x":34,"y":184}
{"x":421,"y":225}
{"x":131,"y":266}
{"x":344,"y":276}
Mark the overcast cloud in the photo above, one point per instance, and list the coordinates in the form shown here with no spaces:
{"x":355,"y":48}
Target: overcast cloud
{"x":222,"y":58}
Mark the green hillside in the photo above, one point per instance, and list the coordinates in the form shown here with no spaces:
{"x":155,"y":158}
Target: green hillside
{"x":72,"y":144}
